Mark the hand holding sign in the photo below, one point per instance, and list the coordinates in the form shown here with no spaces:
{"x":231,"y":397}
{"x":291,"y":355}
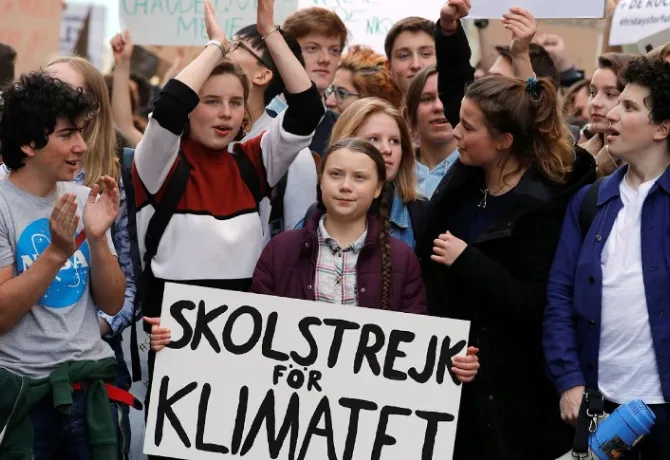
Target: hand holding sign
{"x":523,"y":27}
{"x":214,"y":31}
{"x":451,"y":14}
{"x":160,"y":336}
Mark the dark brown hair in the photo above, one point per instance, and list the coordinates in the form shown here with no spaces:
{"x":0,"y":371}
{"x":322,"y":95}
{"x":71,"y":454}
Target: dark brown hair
{"x":413,"y":96}
{"x":228,"y":68}
{"x":533,"y":118}
{"x":316,"y":20}
{"x":369,"y":76}
{"x":616,"y":62}
{"x":542,"y":62}
{"x":380,"y":205}
{"x":411,"y":24}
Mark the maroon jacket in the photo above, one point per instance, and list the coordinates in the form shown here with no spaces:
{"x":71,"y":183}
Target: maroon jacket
{"x":287,"y":268}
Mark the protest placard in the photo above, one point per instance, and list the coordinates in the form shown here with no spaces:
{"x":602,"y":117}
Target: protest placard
{"x":541,"y":9}
{"x":635,"y":20}
{"x":32,"y":28}
{"x":182,"y":22}
{"x":268,"y":377}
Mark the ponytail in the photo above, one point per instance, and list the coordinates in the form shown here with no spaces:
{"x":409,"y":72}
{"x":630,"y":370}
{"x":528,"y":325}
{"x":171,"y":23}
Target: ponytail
{"x":552,"y":144}
{"x":530,"y":112}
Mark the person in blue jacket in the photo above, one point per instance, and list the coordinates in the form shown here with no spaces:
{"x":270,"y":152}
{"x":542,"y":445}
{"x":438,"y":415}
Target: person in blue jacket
{"x":607,"y":324}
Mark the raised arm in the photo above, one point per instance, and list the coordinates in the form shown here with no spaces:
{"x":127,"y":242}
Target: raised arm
{"x":292,"y":130}
{"x":122,"y":108}
{"x":156,"y":153}
{"x":453,"y":58}
{"x":523,"y":26}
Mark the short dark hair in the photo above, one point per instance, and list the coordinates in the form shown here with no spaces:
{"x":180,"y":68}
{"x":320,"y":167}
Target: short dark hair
{"x":653,"y":74}
{"x":276,"y":86}
{"x":411,"y":24}
{"x":7,"y":64}
{"x":32,"y":107}
{"x":542,"y":62}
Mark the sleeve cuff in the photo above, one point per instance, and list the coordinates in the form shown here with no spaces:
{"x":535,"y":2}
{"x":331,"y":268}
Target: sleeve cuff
{"x":304,"y":113}
{"x":173,"y":105}
{"x":109,"y":320}
{"x":570,"y":380}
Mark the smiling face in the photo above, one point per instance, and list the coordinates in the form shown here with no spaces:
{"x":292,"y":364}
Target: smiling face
{"x":603,"y":97}
{"x":432,"y":126}
{"x":218,"y":117}
{"x":382,"y":131}
{"x":61,"y":157}
{"x":412,"y":51}
{"x":349,"y":184}
{"x":321,"y":54}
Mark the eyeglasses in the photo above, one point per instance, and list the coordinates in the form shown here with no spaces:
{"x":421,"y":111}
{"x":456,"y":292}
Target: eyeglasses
{"x":235,"y":44}
{"x":340,"y":93}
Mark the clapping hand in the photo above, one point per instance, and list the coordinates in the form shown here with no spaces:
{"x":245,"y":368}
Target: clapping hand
{"x":100,"y":213}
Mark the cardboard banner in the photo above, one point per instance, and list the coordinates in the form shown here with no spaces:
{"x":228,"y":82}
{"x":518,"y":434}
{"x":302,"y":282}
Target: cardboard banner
{"x":581,"y":37}
{"x":268,"y":377}
{"x":541,"y":9}
{"x":635,"y":20}
{"x":32,"y":28}
{"x":182,"y":22}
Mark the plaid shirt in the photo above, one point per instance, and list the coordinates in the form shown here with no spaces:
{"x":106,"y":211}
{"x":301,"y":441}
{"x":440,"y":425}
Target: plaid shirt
{"x":335,"y":280}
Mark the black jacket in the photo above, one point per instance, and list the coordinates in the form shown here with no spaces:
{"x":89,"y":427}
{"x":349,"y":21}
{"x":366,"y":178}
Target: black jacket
{"x":510,"y":411}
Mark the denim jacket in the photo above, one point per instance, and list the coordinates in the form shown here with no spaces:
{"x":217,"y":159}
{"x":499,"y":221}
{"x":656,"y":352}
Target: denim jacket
{"x":573,"y":317}
{"x":401,"y":221}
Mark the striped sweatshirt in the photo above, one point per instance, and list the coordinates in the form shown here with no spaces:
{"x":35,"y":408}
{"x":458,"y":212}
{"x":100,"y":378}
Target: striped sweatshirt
{"x":215,"y":236}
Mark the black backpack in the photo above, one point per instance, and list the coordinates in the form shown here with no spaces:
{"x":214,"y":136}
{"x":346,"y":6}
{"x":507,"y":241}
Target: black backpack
{"x":174,"y":189}
{"x":589,"y":207}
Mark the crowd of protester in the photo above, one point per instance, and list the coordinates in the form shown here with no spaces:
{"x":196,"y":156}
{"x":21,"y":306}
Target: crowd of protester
{"x":286,"y":161}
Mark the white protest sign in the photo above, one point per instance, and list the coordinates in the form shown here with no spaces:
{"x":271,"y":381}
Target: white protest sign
{"x":635,"y":20}
{"x":182,"y":22}
{"x":541,"y":9}
{"x":268,"y":377}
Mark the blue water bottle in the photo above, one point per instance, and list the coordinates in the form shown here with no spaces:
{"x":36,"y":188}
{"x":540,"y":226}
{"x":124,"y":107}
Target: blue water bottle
{"x":622,"y":430}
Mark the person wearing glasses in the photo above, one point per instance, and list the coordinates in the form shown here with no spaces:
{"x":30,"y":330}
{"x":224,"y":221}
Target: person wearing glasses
{"x":296,"y":190}
{"x":361,"y":73}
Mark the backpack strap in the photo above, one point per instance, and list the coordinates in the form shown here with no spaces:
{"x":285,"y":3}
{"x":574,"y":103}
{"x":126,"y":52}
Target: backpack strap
{"x":277,"y":201}
{"x":589,"y":207}
{"x":248,"y":173}
{"x":164,"y":209}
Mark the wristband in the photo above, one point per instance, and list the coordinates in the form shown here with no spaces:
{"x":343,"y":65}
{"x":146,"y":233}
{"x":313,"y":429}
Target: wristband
{"x":274,"y":29}
{"x":218,"y":45}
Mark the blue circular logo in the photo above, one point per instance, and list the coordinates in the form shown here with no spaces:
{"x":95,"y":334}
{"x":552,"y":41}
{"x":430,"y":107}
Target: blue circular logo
{"x":69,"y":284}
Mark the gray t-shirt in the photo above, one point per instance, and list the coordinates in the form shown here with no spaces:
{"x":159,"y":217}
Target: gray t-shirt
{"x":63,"y":326}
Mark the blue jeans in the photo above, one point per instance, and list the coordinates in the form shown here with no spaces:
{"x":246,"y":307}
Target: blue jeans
{"x":58,"y":436}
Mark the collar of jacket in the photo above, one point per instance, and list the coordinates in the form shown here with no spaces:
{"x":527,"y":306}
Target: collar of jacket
{"x":610,"y":186}
{"x":532,"y":192}
{"x":309,"y":240}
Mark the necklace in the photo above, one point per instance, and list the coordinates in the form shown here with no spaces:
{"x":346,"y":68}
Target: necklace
{"x":482,"y":203}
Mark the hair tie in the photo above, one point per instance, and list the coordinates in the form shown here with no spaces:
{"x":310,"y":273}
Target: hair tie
{"x":532,"y":86}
